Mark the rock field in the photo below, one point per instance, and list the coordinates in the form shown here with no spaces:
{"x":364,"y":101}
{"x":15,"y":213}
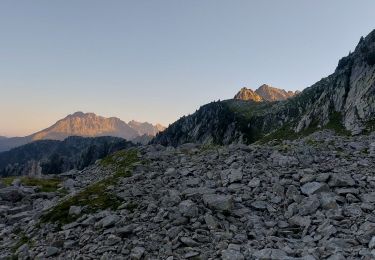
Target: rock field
{"x":311,"y":198}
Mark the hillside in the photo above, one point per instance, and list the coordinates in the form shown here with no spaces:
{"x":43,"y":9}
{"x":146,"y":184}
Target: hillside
{"x":54,"y":157}
{"x":344,"y":101}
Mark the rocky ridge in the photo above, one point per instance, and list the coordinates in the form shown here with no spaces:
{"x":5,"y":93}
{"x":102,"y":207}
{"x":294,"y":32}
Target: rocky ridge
{"x":311,"y":198}
{"x":264,"y":93}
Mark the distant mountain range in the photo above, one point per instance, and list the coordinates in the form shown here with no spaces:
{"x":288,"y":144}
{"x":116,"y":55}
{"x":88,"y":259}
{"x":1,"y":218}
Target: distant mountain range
{"x":86,"y":125}
{"x":344,"y":101}
{"x":265,"y":93}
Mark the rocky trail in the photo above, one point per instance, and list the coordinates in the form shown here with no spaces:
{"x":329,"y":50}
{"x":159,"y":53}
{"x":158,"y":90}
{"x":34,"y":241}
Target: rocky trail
{"x":311,"y":198}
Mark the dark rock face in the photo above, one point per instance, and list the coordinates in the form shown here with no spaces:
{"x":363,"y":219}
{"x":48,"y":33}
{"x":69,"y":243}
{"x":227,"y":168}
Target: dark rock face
{"x":344,"y":101}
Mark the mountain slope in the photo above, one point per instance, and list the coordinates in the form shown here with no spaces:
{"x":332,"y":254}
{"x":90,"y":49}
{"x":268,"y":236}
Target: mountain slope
{"x":86,"y":125}
{"x":55,"y":156}
{"x":345,"y":101}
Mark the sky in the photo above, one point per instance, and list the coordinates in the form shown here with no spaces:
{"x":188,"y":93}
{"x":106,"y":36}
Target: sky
{"x":156,"y":61}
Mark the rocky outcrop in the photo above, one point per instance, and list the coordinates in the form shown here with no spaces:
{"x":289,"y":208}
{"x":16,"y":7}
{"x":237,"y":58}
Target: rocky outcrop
{"x":269,"y":93}
{"x":349,"y":91}
{"x":264,"y":93}
{"x":306,"y":199}
{"x":248,"y":95}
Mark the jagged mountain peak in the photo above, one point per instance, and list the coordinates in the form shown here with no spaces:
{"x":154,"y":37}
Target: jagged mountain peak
{"x":145,"y":128}
{"x":248,"y":94}
{"x":269,"y":93}
{"x":264,"y":93}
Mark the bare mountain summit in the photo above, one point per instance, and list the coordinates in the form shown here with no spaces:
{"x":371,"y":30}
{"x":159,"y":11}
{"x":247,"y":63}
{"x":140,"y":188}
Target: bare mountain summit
{"x":248,"y":94}
{"x":86,"y":125}
{"x":269,"y":93}
{"x":264,"y":93}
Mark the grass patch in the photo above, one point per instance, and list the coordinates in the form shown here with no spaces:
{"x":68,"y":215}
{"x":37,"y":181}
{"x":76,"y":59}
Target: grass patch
{"x":23,"y":240}
{"x":44,"y":184}
{"x":370,"y":126}
{"x":209,"y":147}
{"x":287,"y":133}
{"x":95,"y":197}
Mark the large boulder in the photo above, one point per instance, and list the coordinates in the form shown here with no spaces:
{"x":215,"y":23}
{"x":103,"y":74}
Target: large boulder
{"x":12,"y":194}
{"x":218,"y":202}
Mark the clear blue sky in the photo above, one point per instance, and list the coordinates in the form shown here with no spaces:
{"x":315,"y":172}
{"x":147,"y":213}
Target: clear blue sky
{"x":158,"y":60}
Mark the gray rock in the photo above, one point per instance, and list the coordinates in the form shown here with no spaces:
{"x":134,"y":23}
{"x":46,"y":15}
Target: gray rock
{"x":210,"y":221}
{"x":300,"y":221}
{"x":253,"y":183}
{"x":259,"y":204}
{"x":23,"y":252}
{"x":189,"y":242}
{"x":270,"y":254}
{"x":112,"y":240}
{"x":126,"y":230}
{"x":12,"y":194}
{"x":109,"y":221}
{"x":16,"y":182}
{"x":371,"y":244}
{"x":341,"y":180}
{"x":235,"y":175}
{"x":337,"y":256}
{"x":75,"y":210}
{"x":137,"y":253}
{"x":231,"y":255}
{"x":218,"y":202}
{"x":328,"y":200}
{"x":311,"y":188}
{"x":69,"y":184}
{"x":188,"y":208}
{"x":309,"y":205}
{"x":51,"y":251}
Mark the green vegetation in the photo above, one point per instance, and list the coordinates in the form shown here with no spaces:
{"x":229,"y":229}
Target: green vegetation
{"x":22,"y":240}
{"x":131,"y":206}
{"x":370,"y":126}
{"x":209,"y":147}
{"x":95,"y":197}
{"x":45,"y":184}
{"x":335,"y":123}
{"x":287,"y":133}
{"x":248,"y":109}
